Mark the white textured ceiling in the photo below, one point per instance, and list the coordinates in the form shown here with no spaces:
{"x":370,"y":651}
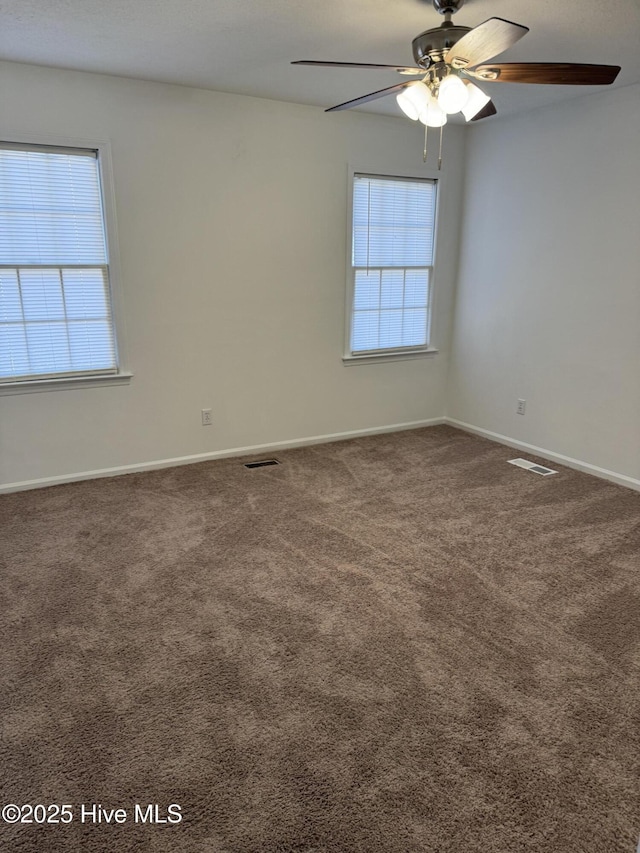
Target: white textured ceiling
{"x":245,"y":46}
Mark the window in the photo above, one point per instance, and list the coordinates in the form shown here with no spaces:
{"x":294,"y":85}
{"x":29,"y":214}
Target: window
{"x":56,"y":313}
{"x":392,"y":243}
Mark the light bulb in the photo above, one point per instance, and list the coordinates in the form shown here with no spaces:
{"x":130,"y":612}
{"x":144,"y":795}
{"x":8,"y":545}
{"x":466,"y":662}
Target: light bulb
{"x":433,"y":115}
{"x":413,"y":99}
{"x":453,"y":94}
{"x":477,"y":100}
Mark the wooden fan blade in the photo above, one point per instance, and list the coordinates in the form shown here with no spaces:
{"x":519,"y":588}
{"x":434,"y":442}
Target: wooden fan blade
{"x":401,"y":69}
{"x":484,"y":41}
{"x":488,"y":110}
{"x":559,"y":73}
{"x":372,"y":96}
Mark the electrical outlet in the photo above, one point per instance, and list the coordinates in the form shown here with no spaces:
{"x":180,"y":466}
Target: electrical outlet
{"x":522,"y":407}
{"x":206,"y":417}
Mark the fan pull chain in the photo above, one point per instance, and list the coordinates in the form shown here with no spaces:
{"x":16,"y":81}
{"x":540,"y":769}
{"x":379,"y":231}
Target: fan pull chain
{"x":424,"y":153}
{"x":440,"y":151}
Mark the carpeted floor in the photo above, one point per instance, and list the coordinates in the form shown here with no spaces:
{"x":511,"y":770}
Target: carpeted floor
{"x":394,"y":644}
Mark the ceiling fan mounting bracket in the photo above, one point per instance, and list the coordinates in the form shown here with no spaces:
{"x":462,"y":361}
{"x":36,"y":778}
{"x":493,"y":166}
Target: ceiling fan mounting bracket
{"x":447,"y":7}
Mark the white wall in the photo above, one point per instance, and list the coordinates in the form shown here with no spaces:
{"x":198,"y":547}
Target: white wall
{"x":548,"y":303}
{"x":232,"y":230}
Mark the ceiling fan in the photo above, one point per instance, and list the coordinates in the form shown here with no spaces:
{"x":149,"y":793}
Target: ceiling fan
{"x":449,"y":58}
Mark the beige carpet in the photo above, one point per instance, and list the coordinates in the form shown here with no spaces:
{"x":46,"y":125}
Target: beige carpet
{"x":394,"y":644}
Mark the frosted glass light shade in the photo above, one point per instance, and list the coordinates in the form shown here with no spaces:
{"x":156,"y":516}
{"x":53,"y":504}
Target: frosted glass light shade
{"x":413,"y":99}
{"x":453,"y":94}
{"x":433,"y":115}
{"x":477,"y":100}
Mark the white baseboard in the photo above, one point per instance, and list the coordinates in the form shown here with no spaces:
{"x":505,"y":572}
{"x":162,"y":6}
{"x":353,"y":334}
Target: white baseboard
{"x":568,"y":461}
{"x":216,"y":454}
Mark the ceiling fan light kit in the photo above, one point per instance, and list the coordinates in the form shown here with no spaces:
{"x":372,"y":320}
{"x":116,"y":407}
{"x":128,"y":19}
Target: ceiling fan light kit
{"x":450,"y":57}
{"x":452,"y":94}
{"x":476,"y":101}
{"x":413,"y":99}
{"x":433,"y":115}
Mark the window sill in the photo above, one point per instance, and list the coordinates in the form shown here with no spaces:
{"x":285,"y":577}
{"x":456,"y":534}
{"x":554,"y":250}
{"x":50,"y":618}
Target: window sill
{"x":33,"y":386}
{"x":349,"y":360}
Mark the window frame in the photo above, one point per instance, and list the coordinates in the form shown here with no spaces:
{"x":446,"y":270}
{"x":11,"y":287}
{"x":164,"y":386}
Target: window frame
{"x":388,"y":354}
{"x":123,"y":374}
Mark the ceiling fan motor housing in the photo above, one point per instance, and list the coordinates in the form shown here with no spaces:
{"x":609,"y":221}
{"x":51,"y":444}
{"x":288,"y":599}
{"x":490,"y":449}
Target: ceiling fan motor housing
{"x":433,"y":45}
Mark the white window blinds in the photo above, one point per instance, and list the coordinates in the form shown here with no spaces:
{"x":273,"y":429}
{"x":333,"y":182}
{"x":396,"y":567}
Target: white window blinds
{"x":392,"y":241}
{"x":55,"y":306}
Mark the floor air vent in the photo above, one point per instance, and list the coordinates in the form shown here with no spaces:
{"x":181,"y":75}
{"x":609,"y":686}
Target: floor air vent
{"x":532,"y":466}
{"x":261,"y":464}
